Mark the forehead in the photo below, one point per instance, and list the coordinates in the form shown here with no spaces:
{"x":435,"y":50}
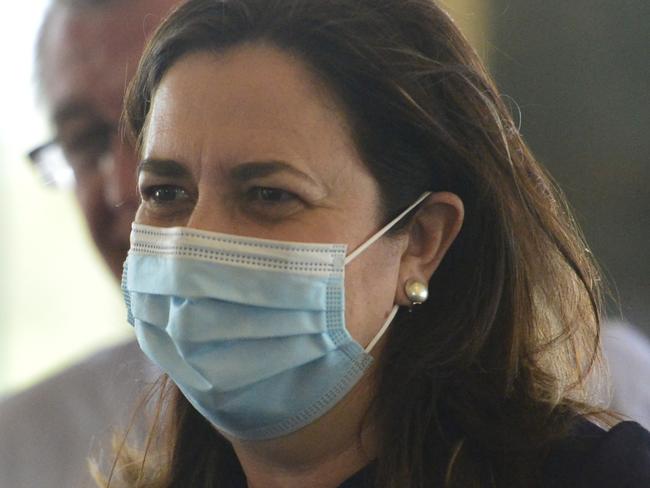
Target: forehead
{"x":90,"y":54}
{"x":230,"y":106}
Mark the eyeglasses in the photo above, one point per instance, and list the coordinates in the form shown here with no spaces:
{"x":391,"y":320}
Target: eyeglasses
{"x":51,"y":165}
{"x":62,"y":163}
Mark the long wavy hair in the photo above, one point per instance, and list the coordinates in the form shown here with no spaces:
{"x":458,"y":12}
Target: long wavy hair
{"x":478,"y":382}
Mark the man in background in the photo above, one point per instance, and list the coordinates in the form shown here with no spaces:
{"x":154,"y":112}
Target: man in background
{"x":87,"y":52}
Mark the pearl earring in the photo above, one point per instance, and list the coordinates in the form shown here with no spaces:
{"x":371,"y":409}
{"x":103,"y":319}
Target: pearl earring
{"x":416,"y":291}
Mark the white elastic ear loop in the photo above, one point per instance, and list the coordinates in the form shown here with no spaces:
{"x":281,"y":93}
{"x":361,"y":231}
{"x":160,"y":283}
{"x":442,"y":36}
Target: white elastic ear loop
{"x":383,"y":329}
{"x":370,"y":242}
{"x":384,"y":229}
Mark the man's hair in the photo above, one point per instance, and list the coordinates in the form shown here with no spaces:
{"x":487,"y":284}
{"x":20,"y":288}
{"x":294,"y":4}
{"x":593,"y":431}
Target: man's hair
{"x":54,"y":7}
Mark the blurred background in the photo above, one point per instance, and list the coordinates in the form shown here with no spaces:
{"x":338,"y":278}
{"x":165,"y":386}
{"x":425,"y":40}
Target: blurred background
{"x":578,"y":71}
{"x":58,"y":303}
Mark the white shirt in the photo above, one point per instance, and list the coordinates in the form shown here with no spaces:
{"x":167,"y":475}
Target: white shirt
{"x":47,"y":432}
{"x":627,"y":352}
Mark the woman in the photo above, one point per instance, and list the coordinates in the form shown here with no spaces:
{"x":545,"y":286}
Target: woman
{"x":350,"y":265}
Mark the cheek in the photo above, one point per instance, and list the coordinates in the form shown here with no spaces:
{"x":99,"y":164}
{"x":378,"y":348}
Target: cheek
{"x":370,"y":284}
{"x":140,"y":217}
{"x":90,"y":197}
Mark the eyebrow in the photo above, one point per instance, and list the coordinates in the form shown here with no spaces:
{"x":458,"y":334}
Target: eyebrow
{"x":73,"y":110}
{"x":259,"y":169}
{"x":163,"y":167}
{"x":240,"y":173}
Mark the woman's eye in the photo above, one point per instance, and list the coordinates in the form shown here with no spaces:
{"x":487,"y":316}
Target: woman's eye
{"x":165,"y":194}
{"x":271,"y":195}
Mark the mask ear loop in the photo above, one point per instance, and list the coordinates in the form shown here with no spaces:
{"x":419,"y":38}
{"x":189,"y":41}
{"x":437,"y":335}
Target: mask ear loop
{"x":383,"y":329}
{"x":350,"y":257}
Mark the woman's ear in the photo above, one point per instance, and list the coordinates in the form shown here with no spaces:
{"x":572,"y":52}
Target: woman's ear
{"x":431,"y":231}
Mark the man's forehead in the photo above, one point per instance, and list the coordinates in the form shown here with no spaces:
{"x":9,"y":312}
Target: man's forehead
{"x":90,"y":54}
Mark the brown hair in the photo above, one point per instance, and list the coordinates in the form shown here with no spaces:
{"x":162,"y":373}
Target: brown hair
{"x":475,"y":384}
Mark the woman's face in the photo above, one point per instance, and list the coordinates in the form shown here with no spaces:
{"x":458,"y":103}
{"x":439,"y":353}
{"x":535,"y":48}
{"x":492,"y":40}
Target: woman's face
{"x":249,"y":142}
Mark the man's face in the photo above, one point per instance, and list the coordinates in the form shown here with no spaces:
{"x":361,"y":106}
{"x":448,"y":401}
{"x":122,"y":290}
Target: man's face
{"x":88,"y":59}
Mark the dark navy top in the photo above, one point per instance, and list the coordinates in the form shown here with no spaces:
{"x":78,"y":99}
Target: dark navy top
{"x":588,"y":458}
{"x":595,"y":458}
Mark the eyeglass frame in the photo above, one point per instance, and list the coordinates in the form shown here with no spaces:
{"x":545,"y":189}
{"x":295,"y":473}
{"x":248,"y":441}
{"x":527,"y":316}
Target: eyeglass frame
{"x":59,"y":172}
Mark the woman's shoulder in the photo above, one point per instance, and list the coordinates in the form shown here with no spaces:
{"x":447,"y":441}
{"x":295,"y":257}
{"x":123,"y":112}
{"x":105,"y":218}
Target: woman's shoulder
{"x":596,"y":458}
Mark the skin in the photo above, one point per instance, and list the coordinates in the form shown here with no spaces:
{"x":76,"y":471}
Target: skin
{"x":249,"y":142}
{"x":88,"y":58}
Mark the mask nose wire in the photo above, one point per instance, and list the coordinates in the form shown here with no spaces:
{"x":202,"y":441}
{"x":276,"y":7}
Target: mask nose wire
{"x":350,"y":257}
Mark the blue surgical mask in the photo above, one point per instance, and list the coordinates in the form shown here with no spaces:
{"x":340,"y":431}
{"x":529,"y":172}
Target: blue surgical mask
{"x":252,"y":331}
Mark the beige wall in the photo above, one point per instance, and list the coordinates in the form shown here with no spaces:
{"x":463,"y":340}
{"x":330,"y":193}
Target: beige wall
{"x":471,"y":16}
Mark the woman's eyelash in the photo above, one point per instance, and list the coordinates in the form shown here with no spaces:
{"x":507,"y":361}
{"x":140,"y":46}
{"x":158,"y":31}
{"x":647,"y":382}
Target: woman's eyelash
{"x":164,"y":193}
{"x":271,"y":195}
